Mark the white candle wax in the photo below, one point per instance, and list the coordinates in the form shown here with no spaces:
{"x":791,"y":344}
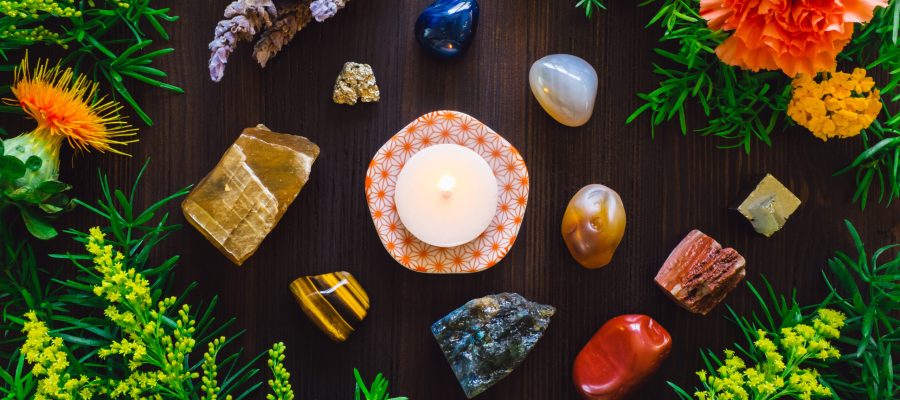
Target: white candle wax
{"x":446,"y":195}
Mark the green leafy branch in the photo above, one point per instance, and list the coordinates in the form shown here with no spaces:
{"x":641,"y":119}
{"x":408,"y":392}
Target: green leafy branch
{"x":742,"y":107}
{"x":878,"y":165}
{"x":864,"y":286}
{"x":91,"y":34}
{"x":877,"y":168}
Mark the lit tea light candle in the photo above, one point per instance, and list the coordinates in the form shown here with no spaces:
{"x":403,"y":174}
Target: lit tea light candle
{"x":446,"y":195}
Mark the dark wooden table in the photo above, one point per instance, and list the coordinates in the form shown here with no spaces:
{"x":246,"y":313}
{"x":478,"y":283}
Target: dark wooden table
{"x":669,"y":185}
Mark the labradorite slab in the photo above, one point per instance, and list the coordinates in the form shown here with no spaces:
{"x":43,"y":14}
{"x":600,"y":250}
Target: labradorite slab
{"x":488,"y":337}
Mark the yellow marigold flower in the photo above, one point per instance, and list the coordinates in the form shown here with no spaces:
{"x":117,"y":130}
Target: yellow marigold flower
{"x":838,"y":105}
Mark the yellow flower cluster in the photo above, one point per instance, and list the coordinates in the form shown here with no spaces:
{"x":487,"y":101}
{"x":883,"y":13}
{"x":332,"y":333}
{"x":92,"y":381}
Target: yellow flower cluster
{"x":155,"y":343}
{"x":209,"y":385}
{"x":280,"y":384}
{"x":840,"y":105}
{"x":51,"y":361}
{"x":36,"y":34}
{"x":118,"y":285}
{"x":780,"y":374}
{"x":33,"y":8}
{"x":131,"y":308}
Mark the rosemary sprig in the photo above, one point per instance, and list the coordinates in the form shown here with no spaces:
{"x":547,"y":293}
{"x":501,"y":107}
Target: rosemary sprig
{"x":742,"y":107}
{"x":589,"y":6}
{"x":106,"y":40}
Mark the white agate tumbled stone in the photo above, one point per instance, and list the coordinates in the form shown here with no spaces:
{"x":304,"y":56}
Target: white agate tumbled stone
{"x":565,"y":86}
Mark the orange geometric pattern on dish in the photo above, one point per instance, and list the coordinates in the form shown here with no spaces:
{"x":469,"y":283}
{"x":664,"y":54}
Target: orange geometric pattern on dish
{"x":448,"y":127}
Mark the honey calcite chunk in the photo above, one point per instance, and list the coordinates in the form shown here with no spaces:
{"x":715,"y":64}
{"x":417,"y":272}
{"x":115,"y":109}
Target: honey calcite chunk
{"x":488,"y":337}
{"x":768,"y":206}
{"x":625,"y":351}
{"x":699,"y":273}
{"x":593,"y":225}
{"x":242,"y":199}
{"x":335,"y":302}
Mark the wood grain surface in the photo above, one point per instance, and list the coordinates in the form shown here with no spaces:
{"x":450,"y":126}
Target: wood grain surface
{"x":670,"y":185}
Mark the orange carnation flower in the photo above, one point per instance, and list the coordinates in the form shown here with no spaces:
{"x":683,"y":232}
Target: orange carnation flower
{"x":795,"y":36}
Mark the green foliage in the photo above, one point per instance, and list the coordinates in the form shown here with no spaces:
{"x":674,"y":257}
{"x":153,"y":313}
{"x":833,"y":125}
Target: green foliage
{"x":105,"y":40}
{"x":877,"y":168}
{"x":742,"y":107}
{"x":378,"y":390}
{"x":93,"y":340}
{"x":874,"y":46}
{"x":864,"y":288}
{"x":36,"y":196}
{"x":589,"y":6}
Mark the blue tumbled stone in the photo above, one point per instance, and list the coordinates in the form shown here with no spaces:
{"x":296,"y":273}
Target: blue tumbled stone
{"x":447,"y":27}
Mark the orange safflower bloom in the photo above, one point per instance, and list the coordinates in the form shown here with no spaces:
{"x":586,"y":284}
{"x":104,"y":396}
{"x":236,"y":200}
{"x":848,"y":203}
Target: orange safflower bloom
{"x":794,"y":36}
{"x":66,"y":106}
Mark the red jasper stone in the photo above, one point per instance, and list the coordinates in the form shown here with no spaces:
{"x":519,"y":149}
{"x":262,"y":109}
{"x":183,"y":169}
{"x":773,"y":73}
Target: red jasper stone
{"x":625,"y":350}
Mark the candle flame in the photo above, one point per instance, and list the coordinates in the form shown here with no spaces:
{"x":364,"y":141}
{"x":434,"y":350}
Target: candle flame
{"x":446,"y":185}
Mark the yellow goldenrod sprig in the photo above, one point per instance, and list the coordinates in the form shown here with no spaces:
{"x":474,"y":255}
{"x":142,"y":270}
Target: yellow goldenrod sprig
{"x":33,"y":8}
{"x":838,"y":105}
{"x":150,"y":355}
{"x":780,"y":374}
{"x":50,"y":363}
{"x":209,"y":385}
{"x":147,"y":341}
{"x":280,"y":382}
{"x":38,"y":33}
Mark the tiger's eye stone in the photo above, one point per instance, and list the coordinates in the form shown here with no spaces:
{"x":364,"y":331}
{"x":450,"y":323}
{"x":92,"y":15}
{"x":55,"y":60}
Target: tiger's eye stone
{"x":335,"y":302}
{"x":242,"y":199}
{"x":626,"y":350}
{"x":593,"y":225}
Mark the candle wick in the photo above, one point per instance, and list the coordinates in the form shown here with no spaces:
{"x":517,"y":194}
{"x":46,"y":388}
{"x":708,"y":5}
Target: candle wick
{"x":446,"y":185}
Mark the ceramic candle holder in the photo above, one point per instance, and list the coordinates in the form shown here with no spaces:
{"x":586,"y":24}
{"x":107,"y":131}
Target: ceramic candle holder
{"x":452,"y":127}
